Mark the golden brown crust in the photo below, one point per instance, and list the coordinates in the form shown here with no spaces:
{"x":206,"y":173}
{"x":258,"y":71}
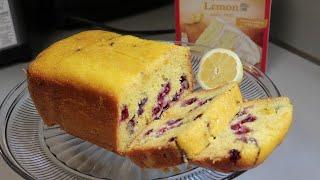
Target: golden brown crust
{"x":162,"y":157}
{"x":224,"y":165}
{"x":96,"y":114}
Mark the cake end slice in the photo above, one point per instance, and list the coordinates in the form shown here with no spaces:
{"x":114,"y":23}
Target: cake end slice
{"x":251,"y":136}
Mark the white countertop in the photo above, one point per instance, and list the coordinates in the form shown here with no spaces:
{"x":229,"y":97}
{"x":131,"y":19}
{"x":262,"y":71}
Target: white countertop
{"x":296,"y":158}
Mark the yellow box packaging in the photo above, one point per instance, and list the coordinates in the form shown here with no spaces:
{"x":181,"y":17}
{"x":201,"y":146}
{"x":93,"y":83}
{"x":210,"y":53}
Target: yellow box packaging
{"x":238,"y":25}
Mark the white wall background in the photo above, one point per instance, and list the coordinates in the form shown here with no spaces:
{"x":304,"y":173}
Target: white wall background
{"x":297,"y":23}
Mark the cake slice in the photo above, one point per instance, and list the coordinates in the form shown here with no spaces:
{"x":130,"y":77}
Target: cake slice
{"x":251,"y":136}
{"x":105,"y":88}
{"x":156,"y":146}
{"x":216,"y":118}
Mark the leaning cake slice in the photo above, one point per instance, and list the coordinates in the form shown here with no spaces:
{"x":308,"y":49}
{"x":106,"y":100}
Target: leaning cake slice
{"x":251,"y":136}
{"x":156,"y":146}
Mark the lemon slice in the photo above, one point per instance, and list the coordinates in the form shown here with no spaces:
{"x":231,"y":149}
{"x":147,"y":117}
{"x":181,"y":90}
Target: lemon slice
{"x":219,"y":67}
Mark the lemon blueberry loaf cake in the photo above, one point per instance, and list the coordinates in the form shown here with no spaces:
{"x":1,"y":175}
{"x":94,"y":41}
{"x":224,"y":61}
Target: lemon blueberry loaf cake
{"x":251,"y":136}
{"x":105,"y":88}
{"x":157,"y":145}
{"x":134,"y":97}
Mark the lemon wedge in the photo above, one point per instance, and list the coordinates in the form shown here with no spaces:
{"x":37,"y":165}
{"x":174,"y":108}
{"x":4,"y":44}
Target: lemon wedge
{"x":219,"y":67}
